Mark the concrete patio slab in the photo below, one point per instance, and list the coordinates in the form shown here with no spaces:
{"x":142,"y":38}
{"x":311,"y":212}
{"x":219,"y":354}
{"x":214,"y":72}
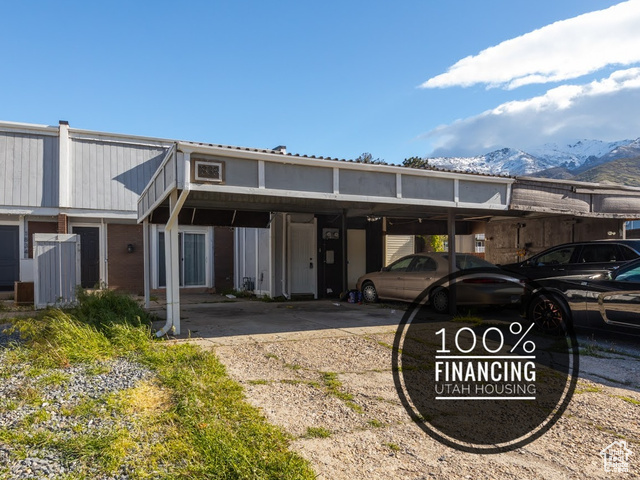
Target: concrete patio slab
{"x":215,"y":320}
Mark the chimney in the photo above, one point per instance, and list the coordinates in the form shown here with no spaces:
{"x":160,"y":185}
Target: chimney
{"x":281,"y":149}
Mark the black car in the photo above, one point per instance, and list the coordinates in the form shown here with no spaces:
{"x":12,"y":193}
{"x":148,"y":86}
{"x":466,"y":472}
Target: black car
{"x":611,"y":301}
{"x":579,"y":259}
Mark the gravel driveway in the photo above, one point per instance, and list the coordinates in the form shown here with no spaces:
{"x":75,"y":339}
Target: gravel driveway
{"x":335,"y":395}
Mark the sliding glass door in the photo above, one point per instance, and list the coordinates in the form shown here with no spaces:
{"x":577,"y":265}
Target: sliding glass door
{"x":192,"y":254}
{"x":193,"y":260}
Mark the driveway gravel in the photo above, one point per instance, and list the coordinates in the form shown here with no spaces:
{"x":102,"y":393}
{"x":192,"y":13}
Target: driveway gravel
{"x":331,"y":388}
{"x":369,"y":435}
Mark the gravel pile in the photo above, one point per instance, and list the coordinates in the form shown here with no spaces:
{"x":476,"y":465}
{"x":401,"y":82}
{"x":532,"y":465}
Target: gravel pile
{"x":378,"y":439}
{"x":72,"y":386}
{"x":7,"y":339}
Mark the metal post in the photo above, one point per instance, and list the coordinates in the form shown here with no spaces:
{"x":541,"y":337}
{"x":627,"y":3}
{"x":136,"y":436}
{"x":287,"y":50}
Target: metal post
{"x":345,"y":260}
{"x":451,"y":224}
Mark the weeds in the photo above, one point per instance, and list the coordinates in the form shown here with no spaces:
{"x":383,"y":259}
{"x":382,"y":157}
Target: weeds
{"x":317,"y":432}
{"x":333,"y":385}
{"x":630,"y":400}
{"x":189,"y":421}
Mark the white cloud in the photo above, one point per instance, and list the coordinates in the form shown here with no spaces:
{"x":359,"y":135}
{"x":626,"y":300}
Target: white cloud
{"x":561,"y":51}
{"x":603,"y":109}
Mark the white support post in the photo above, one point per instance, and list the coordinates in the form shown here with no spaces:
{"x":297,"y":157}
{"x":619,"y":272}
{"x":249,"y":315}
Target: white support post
{"x":65,"y":164}
{"x":173,"y":275}
{"x":172,"y":263}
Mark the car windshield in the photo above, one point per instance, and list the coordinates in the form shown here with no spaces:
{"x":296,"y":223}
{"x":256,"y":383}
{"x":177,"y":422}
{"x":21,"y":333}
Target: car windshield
{"x":630,"y":273}
{"x":468,"y":262}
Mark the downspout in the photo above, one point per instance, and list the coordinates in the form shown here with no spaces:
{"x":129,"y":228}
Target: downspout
{"x":173,"y":218}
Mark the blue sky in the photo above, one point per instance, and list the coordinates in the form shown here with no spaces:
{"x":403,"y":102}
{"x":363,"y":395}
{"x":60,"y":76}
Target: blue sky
{"x":330,"y":78}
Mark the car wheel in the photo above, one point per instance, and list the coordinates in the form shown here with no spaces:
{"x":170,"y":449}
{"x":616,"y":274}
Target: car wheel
{"x":369,"y":293}
{"x":440,"y":300}
{"x":548,"y":314}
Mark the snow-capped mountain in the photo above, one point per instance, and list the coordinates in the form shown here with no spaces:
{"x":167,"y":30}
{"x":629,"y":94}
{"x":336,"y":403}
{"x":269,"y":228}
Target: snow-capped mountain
{"x":573,"y":158}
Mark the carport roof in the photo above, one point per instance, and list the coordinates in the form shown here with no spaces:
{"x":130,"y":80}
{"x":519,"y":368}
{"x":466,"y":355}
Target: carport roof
{"x":273,"y":181}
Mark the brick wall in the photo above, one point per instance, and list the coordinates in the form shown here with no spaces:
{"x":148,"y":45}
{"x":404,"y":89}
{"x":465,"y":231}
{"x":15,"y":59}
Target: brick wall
{"x":39,"y":227}
{"x":126,"y":270}
{"x":63,"y":223}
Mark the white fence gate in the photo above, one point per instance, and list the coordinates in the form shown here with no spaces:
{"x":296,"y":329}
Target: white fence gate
{"x":56,"y":269}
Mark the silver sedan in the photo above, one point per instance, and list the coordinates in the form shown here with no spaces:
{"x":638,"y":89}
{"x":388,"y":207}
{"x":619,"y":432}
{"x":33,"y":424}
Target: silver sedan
{"x":478,"y":282}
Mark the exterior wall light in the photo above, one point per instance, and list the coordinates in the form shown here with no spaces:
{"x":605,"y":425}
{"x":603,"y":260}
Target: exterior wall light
{"x":130,"y":248}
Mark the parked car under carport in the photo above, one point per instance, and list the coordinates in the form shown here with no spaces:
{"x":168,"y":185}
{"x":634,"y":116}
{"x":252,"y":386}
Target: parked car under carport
{"x":477,"y":281}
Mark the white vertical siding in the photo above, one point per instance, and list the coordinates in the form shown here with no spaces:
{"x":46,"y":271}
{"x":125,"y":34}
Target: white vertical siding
{"x":28,"y":170}
{"x":397,"y":246}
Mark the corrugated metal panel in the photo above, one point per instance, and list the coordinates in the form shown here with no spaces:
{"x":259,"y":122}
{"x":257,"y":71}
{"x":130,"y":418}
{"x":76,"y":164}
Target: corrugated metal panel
{"x":111,"y":176}
{"x":397,"y":246}
{"x":28,"y":170}
{"x":162,"y":182}
{"x":56,"y":269}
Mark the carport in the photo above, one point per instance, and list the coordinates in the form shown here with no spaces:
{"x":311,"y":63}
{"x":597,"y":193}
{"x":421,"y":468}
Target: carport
{"x":217,"y":185}
{"x":202,"y":184}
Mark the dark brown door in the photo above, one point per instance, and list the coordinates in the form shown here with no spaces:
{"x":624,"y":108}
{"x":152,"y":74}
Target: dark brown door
{"x":89,"y":255}
{"x":9,"y":256}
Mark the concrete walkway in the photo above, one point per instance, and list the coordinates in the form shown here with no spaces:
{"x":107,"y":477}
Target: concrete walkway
{"x":212,"y":320}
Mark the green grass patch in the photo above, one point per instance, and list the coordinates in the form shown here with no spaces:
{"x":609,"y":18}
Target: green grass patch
{"x":587,"y":388}
{"x":393,"y":446}
{"x":293,"y":366}
{"x":317,"y":432}
{"x":258,"y":382}
{"x":630,"y":400}
{"x":189,"y":421}
{"x":375,"y":423}
{"x":468,"y":318}
{"x":333,"y":387}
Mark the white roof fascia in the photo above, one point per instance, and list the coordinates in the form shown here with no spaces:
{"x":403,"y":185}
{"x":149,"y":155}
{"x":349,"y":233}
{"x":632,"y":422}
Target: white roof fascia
{"x":29,"y":129}
{"x":330,"y":163}
{"x":75,"y":212}
{"x":80,"y":134}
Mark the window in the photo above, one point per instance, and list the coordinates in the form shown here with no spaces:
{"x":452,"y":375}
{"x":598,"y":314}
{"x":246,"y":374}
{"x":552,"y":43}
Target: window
{"x":468,"y":262}
{"x":192,"y":254}
{"x":630,"y":275}
{"x":424,"y":264}
{"x":628,"y":253}
{"x":480,"y":243}
{"x":560,"y":256}
{"x":599,"y":253}
{"x":401,"y":265}
{"x":193,"y":261}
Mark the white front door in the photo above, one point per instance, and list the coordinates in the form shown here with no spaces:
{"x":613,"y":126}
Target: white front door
{"x":302,"y":258}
